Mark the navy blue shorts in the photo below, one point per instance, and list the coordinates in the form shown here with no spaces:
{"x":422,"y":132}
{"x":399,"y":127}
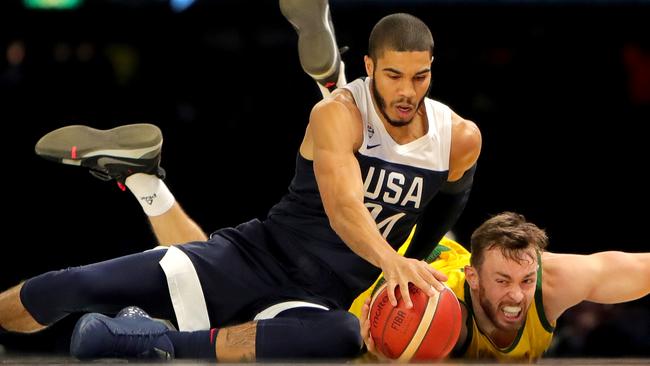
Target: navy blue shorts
{"x":243,"y":270}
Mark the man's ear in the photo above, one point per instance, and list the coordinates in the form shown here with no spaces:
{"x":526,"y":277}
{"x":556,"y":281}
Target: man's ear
{"x":370,"y":65}
{"x":471,"y":275}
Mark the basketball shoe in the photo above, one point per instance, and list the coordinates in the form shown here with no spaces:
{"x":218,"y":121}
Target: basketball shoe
{"x":132,"y":333}
{"x":108,"y":154}
{"x":319,"y":54}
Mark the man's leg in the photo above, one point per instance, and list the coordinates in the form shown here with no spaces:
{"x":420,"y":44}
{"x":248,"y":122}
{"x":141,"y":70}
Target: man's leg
{"x":299,"y":334}
{"x":303,"y":333}
{"x":101,"y":287}
{"x":130,"y":155}
{"x":176,"y":227}
{"x":317,"y":48}
{"x":13,"y":315}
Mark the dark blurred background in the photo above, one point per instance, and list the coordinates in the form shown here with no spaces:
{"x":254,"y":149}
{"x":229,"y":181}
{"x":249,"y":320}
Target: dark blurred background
{"x":559,"y":89}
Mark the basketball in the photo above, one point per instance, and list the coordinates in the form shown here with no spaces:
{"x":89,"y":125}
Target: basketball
{"x":427,"y":331}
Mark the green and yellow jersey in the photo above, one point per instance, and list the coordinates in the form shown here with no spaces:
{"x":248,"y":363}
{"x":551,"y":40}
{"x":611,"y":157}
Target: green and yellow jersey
{"x":533,"y":338}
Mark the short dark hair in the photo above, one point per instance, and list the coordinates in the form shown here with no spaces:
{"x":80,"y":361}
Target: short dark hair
{"x":511,"y":233}
{"x":399,"y":32}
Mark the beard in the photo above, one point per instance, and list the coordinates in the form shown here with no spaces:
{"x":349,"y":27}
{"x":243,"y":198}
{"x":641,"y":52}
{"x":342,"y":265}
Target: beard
{"x":382,"y":104}
{"x":491,"y":311}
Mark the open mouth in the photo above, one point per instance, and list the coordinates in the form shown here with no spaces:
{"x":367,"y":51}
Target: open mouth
{"x":511,"y":313}
{"x":404,"y":110}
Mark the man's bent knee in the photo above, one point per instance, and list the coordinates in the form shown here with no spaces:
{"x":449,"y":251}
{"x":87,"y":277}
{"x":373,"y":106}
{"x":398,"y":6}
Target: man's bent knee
{"x":344,"y":334}
{"x":308,"y":333}
{"x":14,"y":316}
{"x":53,"y":295}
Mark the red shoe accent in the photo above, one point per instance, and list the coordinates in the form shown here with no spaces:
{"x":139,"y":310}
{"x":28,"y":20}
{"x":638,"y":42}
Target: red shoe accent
{"x":122,"y":186}
{"x":73,"y":152}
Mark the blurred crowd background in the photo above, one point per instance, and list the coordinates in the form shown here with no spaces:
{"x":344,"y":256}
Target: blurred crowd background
{"x":559,"y":88}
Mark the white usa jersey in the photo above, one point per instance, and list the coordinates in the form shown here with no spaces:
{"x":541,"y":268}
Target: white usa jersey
{"x":399,"y":182}
{"x":430,"y":151}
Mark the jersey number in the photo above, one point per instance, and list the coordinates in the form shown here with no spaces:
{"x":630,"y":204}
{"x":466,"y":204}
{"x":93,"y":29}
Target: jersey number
{"x":386,"y":224}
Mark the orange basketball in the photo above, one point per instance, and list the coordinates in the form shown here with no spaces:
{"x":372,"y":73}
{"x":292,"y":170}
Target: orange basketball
{"x":427,"y":331}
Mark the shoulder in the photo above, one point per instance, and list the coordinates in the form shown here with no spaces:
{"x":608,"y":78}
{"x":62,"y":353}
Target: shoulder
{"x":466,"y":144}
{"x":559,"y":289}
{"x":466,"y":137}
{"x":557,"y":269}
{"x":335,"y":119}
{"x":340,"y":104}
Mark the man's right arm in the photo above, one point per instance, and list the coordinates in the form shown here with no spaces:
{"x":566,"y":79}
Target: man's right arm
{"x":335,"y":131}
{"x":335,"y":138}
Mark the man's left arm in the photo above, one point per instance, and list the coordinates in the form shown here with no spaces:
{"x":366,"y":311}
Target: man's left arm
{"x":443,"y":211}
{"x":605,"y":278}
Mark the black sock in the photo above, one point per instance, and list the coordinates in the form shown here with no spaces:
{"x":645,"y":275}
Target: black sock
{"x":197,"y":345}
{"x":3,"y":330}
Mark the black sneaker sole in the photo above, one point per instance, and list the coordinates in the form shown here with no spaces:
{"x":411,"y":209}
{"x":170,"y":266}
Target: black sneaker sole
{"x":317,"y":48}
{"x":73,"y":144}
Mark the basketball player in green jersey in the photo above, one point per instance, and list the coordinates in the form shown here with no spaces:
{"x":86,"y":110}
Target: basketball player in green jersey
{"x":512,"y":291}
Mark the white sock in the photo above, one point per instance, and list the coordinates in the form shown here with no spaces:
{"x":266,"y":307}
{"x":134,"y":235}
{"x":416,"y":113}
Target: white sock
{"x":151,"y":192}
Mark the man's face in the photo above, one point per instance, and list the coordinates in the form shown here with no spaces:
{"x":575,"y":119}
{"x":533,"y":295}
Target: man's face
{"x":401,"y":80}
{"x":507,"y":288}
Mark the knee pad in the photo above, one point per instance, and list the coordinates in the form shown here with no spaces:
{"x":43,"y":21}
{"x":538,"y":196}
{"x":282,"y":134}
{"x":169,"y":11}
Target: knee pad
{"x":48,"y":297}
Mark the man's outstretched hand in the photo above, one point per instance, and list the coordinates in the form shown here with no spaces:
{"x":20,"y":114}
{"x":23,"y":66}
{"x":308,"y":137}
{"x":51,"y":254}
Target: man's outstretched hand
{"x":400,"y":271}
